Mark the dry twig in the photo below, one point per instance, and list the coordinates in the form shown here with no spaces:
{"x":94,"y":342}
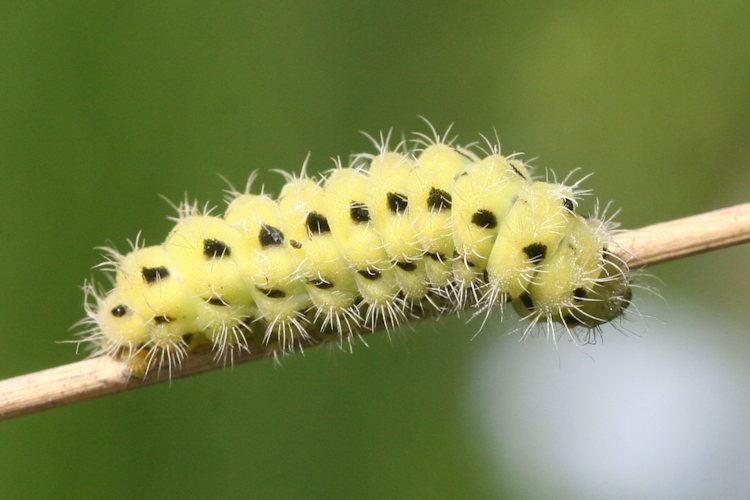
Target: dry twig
{"x":100,"y":376}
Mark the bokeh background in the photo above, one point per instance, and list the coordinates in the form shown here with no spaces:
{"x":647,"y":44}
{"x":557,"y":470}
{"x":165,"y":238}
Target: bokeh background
{"x":105,"y":105}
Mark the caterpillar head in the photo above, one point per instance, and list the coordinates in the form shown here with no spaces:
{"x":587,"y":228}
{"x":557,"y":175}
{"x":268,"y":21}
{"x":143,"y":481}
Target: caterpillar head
{"x":581,"y":284}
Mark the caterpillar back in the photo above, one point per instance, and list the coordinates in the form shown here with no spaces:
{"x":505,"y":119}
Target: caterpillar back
{"x":419,"y":229}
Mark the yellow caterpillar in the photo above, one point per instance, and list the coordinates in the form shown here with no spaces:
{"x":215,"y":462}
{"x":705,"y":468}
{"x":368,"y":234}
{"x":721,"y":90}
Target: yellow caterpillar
{"x":420,"y":229}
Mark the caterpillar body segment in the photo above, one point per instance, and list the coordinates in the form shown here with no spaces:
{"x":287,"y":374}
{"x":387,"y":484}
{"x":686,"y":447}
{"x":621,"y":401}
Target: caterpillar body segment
{"x":483,"y":193}
{"x":584,"y":284}
{"x":393,"y":186}
{"x":321,"y":268}
{"x":210,"y":249}
{"x":280,"y":296}
{"x":396,"y":235}
{"x":431,"y":207}
{"x":362,"y":246}
{"x":533,"y":226}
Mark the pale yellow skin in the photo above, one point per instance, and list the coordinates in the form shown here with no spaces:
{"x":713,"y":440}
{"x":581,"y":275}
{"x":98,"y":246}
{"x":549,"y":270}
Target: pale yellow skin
{"x":399,"y":227}
{"x":358,"y":241}
{"x":270,"y":269}
{"x":394,"y":235}
{"x":124,"y":327}
{"x":490,"y":185}
{"x":204,"y":247}
{"x":579,"y":286}
{"x":208,"y":251}
{"x":321,"y":268}
{"x":153,"y":286}
{"x":175,"y":311}
{"x":434,"y":173}
{"x":537,"y":218}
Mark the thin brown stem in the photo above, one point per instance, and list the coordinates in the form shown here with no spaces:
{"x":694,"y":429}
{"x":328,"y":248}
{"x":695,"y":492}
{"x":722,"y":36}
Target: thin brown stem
{"x":679,"y":238}
{"x":96,"y":377}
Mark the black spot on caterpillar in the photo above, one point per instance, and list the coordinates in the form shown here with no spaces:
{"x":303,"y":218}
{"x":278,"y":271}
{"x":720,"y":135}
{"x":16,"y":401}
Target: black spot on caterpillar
{"x":273,"y":293}
{"x":535,"y":252}
{"x":119,"y":311}
{"x":439,"y":199}
{"x":215,"y":249}
{"x":358,"y":212}
{"x":153,"y":274}
{"x":369,"y":274}
{"x":568,"y":204}
{"x":322,"y":284}
{"x":270,"y":235}
{"x":163,"y":319}
{"x":407,"y":266}
{"x":317,"y":223}
{"x":397,"y":203}
{"x":484,"y":218}
{"x":368,"y":247}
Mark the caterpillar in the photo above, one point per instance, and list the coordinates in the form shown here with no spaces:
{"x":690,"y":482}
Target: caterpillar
{"x":423,"y":228}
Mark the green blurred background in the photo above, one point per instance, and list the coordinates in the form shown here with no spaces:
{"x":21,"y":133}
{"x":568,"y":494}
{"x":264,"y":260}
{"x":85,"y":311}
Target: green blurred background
{"x":105,"y":105}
